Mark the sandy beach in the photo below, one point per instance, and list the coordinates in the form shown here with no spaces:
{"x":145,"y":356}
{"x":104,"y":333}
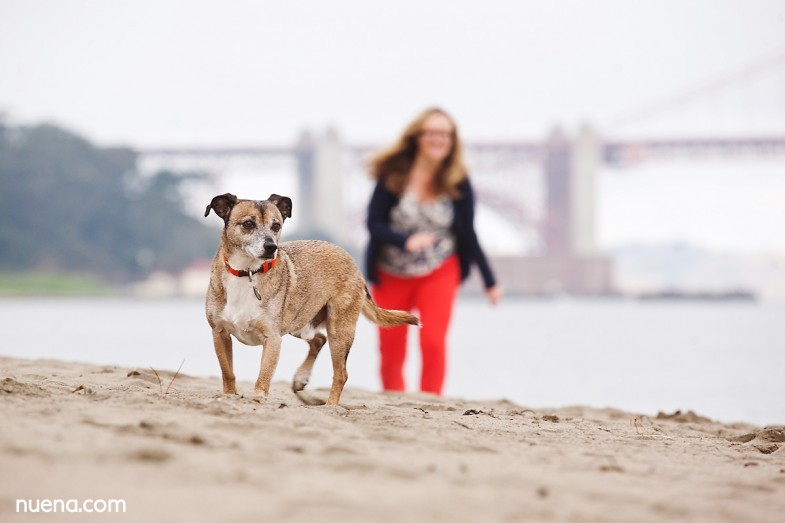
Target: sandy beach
{"x":73,"y":431}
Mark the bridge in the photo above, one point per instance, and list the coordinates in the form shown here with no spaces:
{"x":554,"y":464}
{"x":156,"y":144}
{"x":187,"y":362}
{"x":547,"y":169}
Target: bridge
{"x":544,"y":189}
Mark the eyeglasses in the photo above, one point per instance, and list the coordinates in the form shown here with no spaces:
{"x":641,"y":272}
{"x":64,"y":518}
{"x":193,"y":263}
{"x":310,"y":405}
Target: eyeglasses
{"x":434,"y":133}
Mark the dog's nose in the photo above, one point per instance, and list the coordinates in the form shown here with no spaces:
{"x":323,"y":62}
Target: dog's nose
{"x":270,"y":247}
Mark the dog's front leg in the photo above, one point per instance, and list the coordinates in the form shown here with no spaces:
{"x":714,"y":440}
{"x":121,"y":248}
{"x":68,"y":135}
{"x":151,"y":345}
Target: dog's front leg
{"x":223,"y":349}
{"x":270,"y":353}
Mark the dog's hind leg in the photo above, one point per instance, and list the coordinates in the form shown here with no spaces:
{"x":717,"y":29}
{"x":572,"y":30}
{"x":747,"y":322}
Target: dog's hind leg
{"x":303,"y":373}
{"x":223,"y":349}
{"x":339,"y":352}
{"x":340,"y":335}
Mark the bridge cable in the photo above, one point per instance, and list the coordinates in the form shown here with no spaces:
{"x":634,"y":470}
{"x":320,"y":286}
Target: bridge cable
{"x":670,"y":103}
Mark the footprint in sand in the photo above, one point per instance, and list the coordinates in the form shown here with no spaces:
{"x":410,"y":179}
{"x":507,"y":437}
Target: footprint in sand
{"x":11,"y":386}
{"x":766,"y":441}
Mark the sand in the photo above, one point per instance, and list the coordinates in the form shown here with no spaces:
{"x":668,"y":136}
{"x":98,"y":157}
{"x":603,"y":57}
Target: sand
{"x":86,"y":432}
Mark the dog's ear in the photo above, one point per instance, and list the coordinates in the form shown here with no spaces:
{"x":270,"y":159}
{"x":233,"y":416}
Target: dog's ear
{"x":284,"y":204}
{"x":222,"y":205}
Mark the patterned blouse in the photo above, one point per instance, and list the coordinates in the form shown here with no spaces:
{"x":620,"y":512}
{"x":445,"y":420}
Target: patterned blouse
{"x":411,"y":216}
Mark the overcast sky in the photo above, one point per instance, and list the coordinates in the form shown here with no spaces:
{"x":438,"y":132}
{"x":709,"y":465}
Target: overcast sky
{"x":163,"y":72}
{"x":198,"y":72}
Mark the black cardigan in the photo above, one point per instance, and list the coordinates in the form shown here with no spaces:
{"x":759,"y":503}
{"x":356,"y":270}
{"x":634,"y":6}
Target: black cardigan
{"x":468,"y":247}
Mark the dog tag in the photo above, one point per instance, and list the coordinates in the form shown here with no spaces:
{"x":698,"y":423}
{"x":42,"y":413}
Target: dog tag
{"x":255,"y":290}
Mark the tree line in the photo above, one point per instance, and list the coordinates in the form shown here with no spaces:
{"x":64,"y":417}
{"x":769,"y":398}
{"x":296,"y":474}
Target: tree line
{"x":67,"y":205}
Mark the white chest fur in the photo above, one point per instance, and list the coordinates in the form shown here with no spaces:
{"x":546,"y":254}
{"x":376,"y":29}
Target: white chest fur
{"x":243,"y":311}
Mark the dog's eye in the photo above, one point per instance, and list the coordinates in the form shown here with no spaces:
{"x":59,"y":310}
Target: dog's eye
{"x":249,"y":225}
{"x":275,"y":227}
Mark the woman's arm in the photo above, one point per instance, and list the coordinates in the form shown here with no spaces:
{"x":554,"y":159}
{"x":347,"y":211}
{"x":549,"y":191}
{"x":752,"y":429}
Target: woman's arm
{"x":478,"y":255}
{"x":382,"y":202}
{"x":492,"y":290}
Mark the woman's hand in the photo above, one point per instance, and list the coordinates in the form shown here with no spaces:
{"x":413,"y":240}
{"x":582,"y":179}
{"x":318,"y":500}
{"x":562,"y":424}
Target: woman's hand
{"x":419,"y":241}
{"x":494,"y":294}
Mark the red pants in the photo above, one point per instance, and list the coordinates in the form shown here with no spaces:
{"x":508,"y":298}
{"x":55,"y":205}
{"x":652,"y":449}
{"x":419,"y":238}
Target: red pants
{"x":433,"y":296}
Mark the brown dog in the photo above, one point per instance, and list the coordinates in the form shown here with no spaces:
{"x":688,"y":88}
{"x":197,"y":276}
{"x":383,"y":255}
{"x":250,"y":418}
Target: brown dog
{"x":260,"y":290}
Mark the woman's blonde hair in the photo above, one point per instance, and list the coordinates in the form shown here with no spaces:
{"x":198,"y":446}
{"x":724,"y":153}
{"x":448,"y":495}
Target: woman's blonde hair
{"x":392,"y":165}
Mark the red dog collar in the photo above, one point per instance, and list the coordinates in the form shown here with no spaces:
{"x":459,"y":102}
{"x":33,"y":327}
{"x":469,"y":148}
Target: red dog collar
{"x":266,"y":266}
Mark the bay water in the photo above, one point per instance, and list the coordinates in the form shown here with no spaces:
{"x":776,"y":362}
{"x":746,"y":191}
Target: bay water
{"x":724,"y":360}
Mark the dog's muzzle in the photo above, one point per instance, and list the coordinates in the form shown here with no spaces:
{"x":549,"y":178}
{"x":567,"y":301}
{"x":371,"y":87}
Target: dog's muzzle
{"x":269,"y":250}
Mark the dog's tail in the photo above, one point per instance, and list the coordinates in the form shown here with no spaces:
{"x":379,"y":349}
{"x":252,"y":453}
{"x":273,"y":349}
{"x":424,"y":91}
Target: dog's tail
{"x":386,"y":317}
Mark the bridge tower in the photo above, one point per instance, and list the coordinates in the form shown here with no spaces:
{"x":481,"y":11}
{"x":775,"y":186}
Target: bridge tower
{"x":570,"y":263}
{"x":304,"y":156}
{"x":586,"y":160}
{"x":570,"y":168}
{"x":557,"y":167}
{"x":320,"y":173}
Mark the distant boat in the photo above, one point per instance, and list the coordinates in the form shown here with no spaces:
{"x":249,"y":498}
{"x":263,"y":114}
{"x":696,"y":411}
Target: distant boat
{"x":731,"y":295}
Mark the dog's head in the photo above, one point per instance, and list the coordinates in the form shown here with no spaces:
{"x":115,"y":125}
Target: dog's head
{"x":250,"y":226}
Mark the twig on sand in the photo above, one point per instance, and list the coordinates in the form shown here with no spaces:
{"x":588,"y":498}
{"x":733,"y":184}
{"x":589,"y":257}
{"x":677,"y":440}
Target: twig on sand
{"x":636,"y":422}
{"x":161,"y":385}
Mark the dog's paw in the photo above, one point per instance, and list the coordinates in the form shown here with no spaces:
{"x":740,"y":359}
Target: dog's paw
{"x":299,"y":382}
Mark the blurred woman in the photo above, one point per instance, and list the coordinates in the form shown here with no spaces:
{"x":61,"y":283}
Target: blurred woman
{"x":422,"y":242}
